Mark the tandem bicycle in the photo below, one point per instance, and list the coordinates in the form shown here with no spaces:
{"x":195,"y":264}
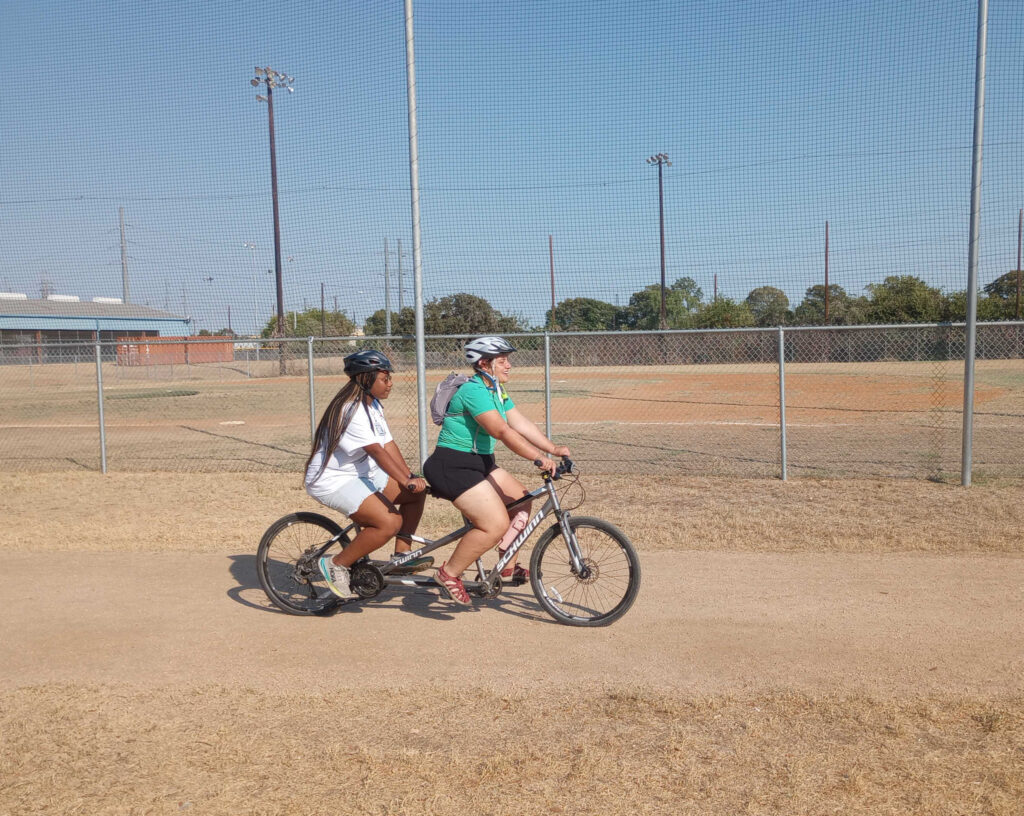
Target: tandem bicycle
{"x":584,"y":571}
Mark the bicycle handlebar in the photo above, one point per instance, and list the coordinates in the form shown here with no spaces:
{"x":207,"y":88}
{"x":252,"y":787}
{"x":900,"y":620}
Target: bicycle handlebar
{"x":565,"y":467}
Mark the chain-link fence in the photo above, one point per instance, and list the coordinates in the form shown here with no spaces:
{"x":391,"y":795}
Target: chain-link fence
{"x":857,"y":401}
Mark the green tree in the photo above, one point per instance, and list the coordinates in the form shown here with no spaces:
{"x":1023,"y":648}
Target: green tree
{"x":403,"y":322}
{"x":584,"y":314}
{"x":723,"y":313}
{"x":465,"y":314}
{"x":1003,"y":290}
{"x":842,"y":309}
{"x":1005,"y":286}
{"x":311,"y":323}
{"x":992,"y":307}
{"x":903,"y":299}
{"x":682,"y":300}
{"x":218,"y":333}
{"x":770,"y":306}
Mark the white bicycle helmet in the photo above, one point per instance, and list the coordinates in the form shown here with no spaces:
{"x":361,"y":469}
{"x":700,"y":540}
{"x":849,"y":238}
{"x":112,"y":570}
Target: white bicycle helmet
{"x":485,"y":347}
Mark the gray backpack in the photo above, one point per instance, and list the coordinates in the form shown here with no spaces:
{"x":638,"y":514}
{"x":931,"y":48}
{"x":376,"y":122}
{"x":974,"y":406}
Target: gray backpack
{"x":443,"y":395}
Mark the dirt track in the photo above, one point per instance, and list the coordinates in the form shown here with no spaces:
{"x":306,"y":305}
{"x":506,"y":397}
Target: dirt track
{"x":706,"y":623}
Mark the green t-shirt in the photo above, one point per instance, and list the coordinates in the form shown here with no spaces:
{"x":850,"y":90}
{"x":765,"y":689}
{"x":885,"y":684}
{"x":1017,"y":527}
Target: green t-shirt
{"x":460,"y":431}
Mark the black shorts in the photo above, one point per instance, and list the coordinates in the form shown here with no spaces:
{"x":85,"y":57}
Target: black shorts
{"x":451,"y":473}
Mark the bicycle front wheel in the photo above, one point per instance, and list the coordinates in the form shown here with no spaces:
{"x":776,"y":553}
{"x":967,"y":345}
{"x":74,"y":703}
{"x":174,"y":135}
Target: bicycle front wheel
{"x":286,"y":562}
{"x":599,"y":594}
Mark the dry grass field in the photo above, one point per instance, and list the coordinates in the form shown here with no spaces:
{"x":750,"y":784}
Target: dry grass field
{"x":698,"y":709}
{"x":843,"y":419}
{"x":819,"y":646}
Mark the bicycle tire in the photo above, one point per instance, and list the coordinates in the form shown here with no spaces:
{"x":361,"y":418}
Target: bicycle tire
{"x":602,"y":597}
{"x":286,"y":569}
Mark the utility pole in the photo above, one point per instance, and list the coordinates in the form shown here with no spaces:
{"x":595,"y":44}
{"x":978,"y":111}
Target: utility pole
{"x":124,"y":259}
{"x":826,"y":273}
{"x":1020,"y":224}
{"x":661,"y":159}
{"x":551,"y":258}
{"x":323,"y":312}
{"x":270,"y":79}
{"x":387,"y":291}
{"x":399,"y":276}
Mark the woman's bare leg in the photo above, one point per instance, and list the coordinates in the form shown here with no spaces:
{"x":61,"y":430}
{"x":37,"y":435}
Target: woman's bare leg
{"x":379,"y":520}
{"x":485,"y":509}
{"x":510,"y":489}
{"x":410,"y":506}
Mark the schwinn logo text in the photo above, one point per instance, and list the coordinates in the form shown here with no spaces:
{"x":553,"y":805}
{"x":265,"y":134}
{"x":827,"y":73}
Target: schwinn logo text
{"x":525,"y":534}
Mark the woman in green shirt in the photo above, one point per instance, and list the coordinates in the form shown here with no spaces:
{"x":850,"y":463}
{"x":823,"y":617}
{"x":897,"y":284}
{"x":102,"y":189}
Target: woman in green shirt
{"x":462,"y":467}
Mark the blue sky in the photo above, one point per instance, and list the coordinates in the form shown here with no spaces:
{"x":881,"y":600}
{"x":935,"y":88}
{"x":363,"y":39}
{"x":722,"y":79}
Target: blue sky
{"x":534,"y":119}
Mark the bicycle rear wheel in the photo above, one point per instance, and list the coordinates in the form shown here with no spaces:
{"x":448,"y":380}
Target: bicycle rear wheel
{"x":286,"y":562}
{"x":606,"y":588}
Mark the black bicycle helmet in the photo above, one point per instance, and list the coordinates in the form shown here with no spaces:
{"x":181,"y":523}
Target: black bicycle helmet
{"x":483,"y":348}
{"x":366,"y":360}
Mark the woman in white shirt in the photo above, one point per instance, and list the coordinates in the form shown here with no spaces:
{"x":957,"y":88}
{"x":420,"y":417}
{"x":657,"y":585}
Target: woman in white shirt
{"x":355,"y":467}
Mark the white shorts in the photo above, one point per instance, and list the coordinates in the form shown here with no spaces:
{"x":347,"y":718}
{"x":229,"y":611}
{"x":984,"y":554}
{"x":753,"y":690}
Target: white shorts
{"x":347,"y":498}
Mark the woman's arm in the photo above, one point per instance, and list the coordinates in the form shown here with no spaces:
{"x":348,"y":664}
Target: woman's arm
{"x":516,"y":442}
{"x":520,"y":423}
{"x":395,"y":466}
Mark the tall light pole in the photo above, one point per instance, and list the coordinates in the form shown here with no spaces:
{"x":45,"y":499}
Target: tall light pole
{"x":661,"y":159}
{"x":270,"y":79}
{"x":249,"y":245}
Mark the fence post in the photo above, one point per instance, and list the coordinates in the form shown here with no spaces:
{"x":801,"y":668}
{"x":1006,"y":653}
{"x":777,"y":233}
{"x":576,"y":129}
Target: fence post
{"x":547,"y":384}
{"x":782,"y":400}
{"x":312,"y":398}
{"x":99,"y":402}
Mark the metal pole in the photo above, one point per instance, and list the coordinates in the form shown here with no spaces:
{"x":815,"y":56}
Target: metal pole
{"x":323,"y":313}
{"x":312,"y":398}
{"x":1020,"y":226}
{"x":551,"y":258}
{"x":972,"y":256}
{"x":417,"y":261}
{"x":782,"y":401}
{"x":387,"y":291}
{"x":661,"y":223}
{"x":125,"y":297}
{"x":277,"y":217}
{"x":399,"y":276}
{"x":826,"y":273}
{"x":547,"y":385}
{"x":99,"y":403}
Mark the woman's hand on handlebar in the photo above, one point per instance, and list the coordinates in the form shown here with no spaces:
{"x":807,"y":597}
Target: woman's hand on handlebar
{"x":561,"y":450}
{"x":544,"y":463}
{"x":417,"y":485}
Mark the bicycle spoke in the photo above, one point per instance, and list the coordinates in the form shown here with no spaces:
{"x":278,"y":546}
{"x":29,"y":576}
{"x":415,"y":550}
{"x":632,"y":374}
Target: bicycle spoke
{"x":287,"y":562}
{"x":605,"y":588}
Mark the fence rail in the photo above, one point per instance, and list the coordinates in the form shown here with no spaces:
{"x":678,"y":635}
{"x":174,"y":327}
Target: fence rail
{"x":876,"y":401}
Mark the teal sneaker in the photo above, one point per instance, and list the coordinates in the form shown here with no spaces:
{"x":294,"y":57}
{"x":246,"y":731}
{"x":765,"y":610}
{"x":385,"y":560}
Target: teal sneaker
{"x":336,"y":578}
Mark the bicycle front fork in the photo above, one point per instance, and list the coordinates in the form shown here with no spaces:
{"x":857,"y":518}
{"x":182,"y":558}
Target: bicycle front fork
{"x":579,"y":565}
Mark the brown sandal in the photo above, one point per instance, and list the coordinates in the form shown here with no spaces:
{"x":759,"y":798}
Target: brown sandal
{"x":452,"y":587}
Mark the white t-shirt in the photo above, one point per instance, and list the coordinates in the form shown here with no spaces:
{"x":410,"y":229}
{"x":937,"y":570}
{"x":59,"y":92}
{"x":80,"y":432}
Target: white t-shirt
{"x":350,"y":459}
